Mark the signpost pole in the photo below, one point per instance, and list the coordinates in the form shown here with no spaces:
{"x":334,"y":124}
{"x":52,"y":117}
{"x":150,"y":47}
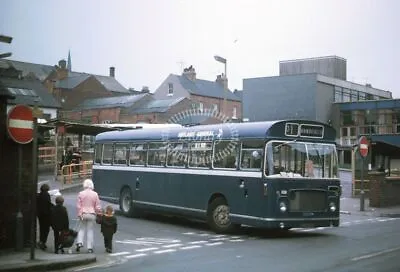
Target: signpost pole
{"x":20,"y":218}
{"x":363,"y":149}
{"x":36,"y":114}
{"x":362,"y":193}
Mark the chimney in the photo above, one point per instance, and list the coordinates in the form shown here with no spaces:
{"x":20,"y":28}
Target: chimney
{"x":221,"y":79}
{"x":61,"y":69}
{"x":190,"y":73}
{"x":62,"y":64}
{"x":112,"y":71}
{"x":145,"y":89}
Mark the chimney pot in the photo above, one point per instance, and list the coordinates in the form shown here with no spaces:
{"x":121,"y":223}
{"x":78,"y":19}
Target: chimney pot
{"x":62,"y":64}
{"x":112,"y":71}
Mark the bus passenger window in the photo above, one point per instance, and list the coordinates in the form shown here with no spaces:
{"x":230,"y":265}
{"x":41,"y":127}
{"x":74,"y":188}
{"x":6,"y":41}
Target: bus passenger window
{"x":200,"y":154}
{"x":97,"y":153}
{"x":177,"y":154}
{"x":225,"y":154}
{"x":107,"y":153}
{"x":138,"y":154}
{"x":120,"y":154}
{"x":252,"y":155}
{"x":157,"y":154}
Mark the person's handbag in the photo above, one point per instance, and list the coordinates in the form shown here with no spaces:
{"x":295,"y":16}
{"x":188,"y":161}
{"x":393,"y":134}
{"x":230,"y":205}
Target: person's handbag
{"x":99,"y":218}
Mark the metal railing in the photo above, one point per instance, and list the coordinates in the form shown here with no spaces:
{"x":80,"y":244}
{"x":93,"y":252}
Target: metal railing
{"x":76,"y":171}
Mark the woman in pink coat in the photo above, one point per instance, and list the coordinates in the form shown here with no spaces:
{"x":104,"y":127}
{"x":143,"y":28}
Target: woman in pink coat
{"x":88,"y":205}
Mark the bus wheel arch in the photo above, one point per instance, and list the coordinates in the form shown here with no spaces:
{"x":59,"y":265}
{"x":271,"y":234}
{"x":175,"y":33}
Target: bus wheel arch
{"x":125,"y":201}
{"x":218,"y":214}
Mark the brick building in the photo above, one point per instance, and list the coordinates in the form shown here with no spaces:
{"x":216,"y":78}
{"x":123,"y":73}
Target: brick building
{"x":71,"y":88}
{"x":135,"y":108}
{"x":204,"y":94}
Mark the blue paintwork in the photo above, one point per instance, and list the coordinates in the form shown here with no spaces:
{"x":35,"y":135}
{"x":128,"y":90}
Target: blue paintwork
{"x":188,"y":191}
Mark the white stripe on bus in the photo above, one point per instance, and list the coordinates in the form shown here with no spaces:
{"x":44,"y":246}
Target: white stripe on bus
{"x":238,"y":215}
{"x":208,"y":172}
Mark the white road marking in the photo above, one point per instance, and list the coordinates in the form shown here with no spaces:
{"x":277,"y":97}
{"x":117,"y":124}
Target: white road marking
{"x":188,"y":233}
{"x":219,"y":239}
{"x":236,"y":240}
{"x":164,"y":251}
{"x":197,"y":242}
{"x":135,"y":256}
{"x":214,"y":244}
{"x":119,"y":253}
{"x":190,"y":247}
{"x":146,"y":249}
{"x":173,"y":245}
{"x":205,"y":234}
{"x":375,"y":254}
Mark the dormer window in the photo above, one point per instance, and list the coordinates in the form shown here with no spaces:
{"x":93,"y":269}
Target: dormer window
{"x":170,"y":89}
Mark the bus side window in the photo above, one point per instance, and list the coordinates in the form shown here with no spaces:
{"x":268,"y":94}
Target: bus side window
{"x":200,"y":154}
{"x":98,"y":150}
{"x":251,"y":155}
{"x":157,"y":154}
{"x":107,"y":153}
{"x":177,"y":154}
{"x":138,"y":154}
{"x":225,"y":154}
{"x":120,"y":154}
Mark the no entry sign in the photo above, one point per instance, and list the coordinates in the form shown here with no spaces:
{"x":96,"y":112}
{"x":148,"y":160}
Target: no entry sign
{"x":363,"y":146}
{"x":20,"y":124}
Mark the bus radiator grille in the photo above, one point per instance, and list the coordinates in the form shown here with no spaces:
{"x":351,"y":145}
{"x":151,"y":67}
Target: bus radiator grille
{"x":307,"y":201}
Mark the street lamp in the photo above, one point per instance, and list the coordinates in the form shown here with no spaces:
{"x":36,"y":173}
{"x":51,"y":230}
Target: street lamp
{"x":225,"y":79}
{"x":5,"y":39}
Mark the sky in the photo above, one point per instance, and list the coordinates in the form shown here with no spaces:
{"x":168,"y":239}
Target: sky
{"x":146,"y":40}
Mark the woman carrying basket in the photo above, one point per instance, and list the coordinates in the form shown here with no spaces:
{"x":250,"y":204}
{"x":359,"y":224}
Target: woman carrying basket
{"x":88,"y":205}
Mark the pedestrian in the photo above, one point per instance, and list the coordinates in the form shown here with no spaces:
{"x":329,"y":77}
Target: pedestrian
{"x":59,"y":223}
{"x":44,"y":207}
{"x":108,"y":227}
{"x":88,"y":205}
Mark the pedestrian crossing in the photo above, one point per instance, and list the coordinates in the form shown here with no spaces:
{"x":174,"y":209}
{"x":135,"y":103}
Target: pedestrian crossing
{"x":195,"y":240}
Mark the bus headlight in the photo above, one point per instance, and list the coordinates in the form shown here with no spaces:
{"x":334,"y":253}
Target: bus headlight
{"x":282,"y":206}
{"x":332,"y":207}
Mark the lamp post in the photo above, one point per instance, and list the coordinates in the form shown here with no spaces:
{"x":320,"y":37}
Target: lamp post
{"x":5,"y":39}
{"x":225,"y":79}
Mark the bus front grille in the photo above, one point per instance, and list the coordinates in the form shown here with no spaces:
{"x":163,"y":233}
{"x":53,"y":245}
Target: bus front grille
{"x":307,"y":201}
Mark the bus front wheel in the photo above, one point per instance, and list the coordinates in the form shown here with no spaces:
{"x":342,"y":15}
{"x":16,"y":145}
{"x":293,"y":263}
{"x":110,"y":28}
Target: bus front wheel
{"x":125,"y":202}
{"x":218,"y":216}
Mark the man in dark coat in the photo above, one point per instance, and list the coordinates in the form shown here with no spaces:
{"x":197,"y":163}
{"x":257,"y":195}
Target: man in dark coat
{"x":44,"y":206}
{"x":59,"y":223}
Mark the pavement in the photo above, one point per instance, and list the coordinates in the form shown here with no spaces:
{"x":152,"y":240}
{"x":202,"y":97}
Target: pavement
{"x":48,"y":261}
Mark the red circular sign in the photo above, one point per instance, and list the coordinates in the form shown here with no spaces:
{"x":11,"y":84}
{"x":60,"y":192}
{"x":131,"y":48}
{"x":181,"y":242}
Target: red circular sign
{"x":363,"y":146}
{"x":20,"y":124}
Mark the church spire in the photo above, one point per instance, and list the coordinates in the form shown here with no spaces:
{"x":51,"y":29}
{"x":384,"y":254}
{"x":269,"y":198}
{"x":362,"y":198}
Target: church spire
{"x":69,"y":67}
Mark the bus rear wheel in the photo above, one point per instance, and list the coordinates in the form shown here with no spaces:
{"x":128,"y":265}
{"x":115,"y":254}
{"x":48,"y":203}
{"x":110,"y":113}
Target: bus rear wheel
{"x":125,"y":202}
{"x":218,"y":216}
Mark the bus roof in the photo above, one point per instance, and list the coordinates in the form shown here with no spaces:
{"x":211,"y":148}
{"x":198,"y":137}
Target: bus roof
{"x":222,"y":131}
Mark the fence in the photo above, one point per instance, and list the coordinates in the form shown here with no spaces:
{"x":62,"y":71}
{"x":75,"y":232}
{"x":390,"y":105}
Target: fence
{"x":47,"y":155}
{"x":71,"y":172}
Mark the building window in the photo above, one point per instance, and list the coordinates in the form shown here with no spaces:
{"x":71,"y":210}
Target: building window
{"x":170,"y":89}
{"x":215,"y":107}
{"x":338,"y":94}
{"x":234,"y":112}
{"x":201,"y":106}
{"x":346,"y":95}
